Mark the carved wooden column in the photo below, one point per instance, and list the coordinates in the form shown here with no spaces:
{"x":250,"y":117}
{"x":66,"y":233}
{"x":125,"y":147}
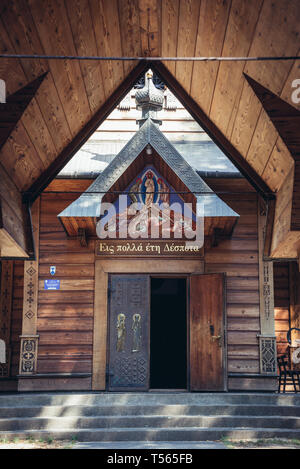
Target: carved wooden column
{"x":267,"y":338}
{"x":29,"y":337}
{"x":5,"y":316}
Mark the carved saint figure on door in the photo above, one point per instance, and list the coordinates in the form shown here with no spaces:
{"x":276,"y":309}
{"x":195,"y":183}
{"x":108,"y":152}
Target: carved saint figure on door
{"x":121,"y":332}
{"x":2,"y":351}
{"x":137,"y":332}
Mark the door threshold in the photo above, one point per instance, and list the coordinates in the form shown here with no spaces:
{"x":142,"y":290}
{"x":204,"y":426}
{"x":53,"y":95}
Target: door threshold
{"x":168,"y":390}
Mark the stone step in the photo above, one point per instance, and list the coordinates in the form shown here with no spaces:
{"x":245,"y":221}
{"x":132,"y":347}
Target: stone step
{"x":149,"y":416}
{"x":139,"y":410}
{"x":155,"y":434}
{"x":103,"y":399}
{"x":143,"y":422}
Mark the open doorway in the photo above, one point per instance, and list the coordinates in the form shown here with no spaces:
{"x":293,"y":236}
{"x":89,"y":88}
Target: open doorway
{"x":168,"y":334}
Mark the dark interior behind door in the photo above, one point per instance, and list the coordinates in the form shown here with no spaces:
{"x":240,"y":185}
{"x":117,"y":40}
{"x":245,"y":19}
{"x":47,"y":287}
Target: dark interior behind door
{"x":168,"y":350}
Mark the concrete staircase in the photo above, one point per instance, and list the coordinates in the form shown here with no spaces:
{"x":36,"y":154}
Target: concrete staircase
{"x":137,"y":417}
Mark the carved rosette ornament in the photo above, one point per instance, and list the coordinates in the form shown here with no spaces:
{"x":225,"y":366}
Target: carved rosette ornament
{"x":28,"y":355}
{"x":267,"y":347}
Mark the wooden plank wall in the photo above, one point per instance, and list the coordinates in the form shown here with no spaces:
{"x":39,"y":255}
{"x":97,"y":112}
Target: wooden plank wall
{"x":238,"y":258}
{"x":281,"y":305}
{"x":65,"y":317}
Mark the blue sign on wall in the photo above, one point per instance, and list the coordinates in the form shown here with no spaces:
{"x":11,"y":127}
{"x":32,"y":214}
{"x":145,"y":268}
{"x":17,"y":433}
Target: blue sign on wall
{"x":52,"y":284}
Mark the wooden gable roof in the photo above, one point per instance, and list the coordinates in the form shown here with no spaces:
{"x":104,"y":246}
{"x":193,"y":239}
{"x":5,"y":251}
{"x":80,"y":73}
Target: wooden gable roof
{"x":286,"y":120}
{"x":77,"y":95}
{"x":88,"y":205}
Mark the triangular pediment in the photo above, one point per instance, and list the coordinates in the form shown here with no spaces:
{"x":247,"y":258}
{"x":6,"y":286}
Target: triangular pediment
{"x":148,"y":134}
{"x":142,"y":207}
{"x":147,"y":145}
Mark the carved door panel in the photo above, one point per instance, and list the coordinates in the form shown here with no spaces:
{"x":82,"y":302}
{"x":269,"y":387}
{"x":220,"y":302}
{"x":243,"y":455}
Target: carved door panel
{"x":129,"y":311}
{"x":207,"y":343}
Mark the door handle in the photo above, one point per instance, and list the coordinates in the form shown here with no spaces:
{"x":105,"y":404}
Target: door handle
{"x":217,"y":337}
{"x":214,"y":337}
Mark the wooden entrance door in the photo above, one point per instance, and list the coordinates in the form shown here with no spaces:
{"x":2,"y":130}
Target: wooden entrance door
{"x":129,"y":311}
{"x":129,"y":324}
{"x":207,"y":370}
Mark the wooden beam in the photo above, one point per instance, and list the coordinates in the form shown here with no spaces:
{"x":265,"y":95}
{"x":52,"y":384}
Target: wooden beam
{"x":270,"y":214}
{"x":100,"y":328}
{"x":192,"y":107}
{"x":15,"y":224}
{"x":286,"y":120}
{"x":12,"y":111}
{"x":82,"y":236}
{"x":213,"y":131}
{"x":62,"y":159}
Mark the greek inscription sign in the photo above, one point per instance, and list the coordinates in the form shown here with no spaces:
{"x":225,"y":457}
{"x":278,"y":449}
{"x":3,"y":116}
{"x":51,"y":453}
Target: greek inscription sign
{"x":116,"y":248}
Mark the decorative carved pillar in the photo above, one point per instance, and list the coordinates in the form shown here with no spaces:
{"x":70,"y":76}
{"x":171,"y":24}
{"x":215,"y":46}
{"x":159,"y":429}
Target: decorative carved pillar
{"x":29,"y":337}
{"x":5,"y":315}
{"x":28,"y":354}
{"x":267,"y":338}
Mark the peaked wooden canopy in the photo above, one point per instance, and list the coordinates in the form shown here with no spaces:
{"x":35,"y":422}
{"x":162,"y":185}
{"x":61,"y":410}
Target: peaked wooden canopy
{"x":76,"y":96}
{"x":286,"y":120}
{"x":85,"y":211}
{"x":15,"y":225}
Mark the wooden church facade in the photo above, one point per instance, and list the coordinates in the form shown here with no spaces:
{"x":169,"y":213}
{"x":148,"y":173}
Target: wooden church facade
{"x":226,"y":308}
{"x":68,"y":328}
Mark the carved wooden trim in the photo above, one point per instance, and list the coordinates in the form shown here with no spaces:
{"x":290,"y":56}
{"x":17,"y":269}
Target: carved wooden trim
{"x":5,"y":313}
{"x":266,"y":283}
{"x":267,"y":353}
{"x":28,"y":355}
{"x":267,"y":339}
{"x":30,"y":301}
